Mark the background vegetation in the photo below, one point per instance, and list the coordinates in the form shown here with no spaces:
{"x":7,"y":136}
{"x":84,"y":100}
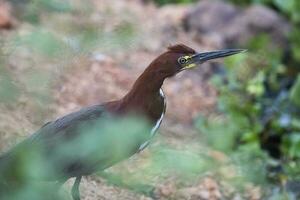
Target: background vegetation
{"x":259,"y":96}
{"x":258,"y":102}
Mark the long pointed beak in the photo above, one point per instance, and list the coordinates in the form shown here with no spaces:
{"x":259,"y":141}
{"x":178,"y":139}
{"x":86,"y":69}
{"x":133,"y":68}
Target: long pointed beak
{"x":202,"y":57}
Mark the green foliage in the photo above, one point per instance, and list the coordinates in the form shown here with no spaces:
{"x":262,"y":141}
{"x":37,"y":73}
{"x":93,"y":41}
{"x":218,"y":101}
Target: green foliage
{"x":292,"y":145}
{"x":54,"y":5}
{"x":181,"y":162}
{"x":295,"y":43}
{"x":289,"y":7}
{"x":246,"y":2}
{"x":9,"y":92}
{"x":259,"y":98}
{"x":163,"y":161}
{"x":33,"y":9}
{"x":164,"y":2}
{"x":295,"y":92}
{"x":256,"y":102}
{"x":251,"y":164}
{"x":42,"y":42}
{"x":215,"y":130}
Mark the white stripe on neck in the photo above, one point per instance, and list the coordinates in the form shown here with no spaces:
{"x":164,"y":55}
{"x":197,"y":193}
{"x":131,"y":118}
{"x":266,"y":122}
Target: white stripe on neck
{"x":157,"y":124}
{"x":154,"y":129}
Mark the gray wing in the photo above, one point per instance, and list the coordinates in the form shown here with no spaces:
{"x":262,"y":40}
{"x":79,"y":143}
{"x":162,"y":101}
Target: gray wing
{"x":65,"y":127}
{"x":56,"y":148}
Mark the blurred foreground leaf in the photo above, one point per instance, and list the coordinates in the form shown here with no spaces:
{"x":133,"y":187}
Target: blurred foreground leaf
{"x":9,"y":92}
{"x":42,"y":42}
{"x":295,"y":92}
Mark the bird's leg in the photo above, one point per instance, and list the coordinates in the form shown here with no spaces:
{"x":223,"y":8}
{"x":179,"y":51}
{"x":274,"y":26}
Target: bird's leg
{"x":75,"y":188}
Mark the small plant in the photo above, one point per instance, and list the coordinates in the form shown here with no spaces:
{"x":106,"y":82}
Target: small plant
{"x":164,"y":2}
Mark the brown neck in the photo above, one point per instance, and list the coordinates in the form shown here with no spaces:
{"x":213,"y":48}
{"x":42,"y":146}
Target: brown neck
{"x":145,"y":88}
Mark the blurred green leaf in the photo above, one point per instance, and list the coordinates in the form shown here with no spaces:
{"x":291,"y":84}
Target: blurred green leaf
{"x":43,"y":42}
{"x":285,"y":5}
{"x":255,"y":85}
{"x":292,"y":145}
{"x":295,"y":43}
{"x":9,"y":92}
{"x":55,"y":5}
{"x":181,"y":162}
{"x":295,"y":92}
{"x":164,"y":2}
{"x":35,"y":8}
{"x":220,"y":134}
{"x":250,"y":160}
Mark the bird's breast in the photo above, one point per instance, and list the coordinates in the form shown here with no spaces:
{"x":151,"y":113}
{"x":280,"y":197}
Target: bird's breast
{"x":160,"y":109}
{"x":156,"y":112}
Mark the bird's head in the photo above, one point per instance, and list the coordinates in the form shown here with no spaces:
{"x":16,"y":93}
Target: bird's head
{"x":181,"y":57}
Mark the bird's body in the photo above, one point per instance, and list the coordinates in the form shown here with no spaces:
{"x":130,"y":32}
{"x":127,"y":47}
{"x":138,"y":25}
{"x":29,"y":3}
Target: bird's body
{"x":96,"y":137}
{"x":67,"y":127}
{"x":66,"y":130}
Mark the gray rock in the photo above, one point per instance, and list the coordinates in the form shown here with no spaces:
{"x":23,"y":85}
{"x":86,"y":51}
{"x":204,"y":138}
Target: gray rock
{"x":210,"y":16}
{"x":233,"y":25}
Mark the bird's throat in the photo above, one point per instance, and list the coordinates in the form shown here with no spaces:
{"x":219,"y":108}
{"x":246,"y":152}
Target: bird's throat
{"x":145,"y":91}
